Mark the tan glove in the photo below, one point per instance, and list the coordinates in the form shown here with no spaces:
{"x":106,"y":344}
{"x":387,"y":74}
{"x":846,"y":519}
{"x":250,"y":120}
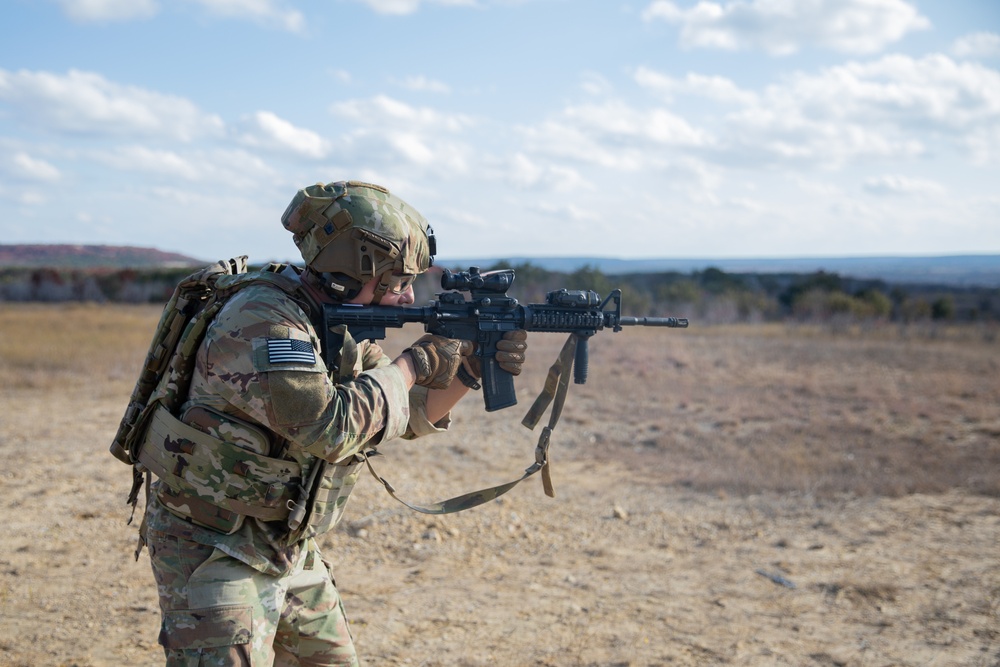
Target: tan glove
{"x":510,"y":354}
{"x":436,"y":359}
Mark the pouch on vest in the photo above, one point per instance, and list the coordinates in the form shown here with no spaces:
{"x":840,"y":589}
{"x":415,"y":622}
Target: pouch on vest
{"x":216,"y":482}
{"x":329,"y":496}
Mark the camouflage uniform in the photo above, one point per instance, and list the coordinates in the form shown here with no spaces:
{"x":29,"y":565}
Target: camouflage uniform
{"x":250,"y":591}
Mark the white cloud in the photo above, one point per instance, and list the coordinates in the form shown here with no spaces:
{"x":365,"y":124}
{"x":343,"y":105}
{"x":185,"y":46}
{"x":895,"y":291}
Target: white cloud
{"x":389,"y":131}
{"x":891,"y":107}
{"x":715,"y":88}
{"x":782,"y":27}
{"x":619,"y":145}
{"x":341,"y":75}
{"x":614,"y":135}
{"x":31,"y":198}
{"x":234,"y":168}
{"x":267,"y":12}
{"x":411,"y":147}
{"x":150,"y":161}
{"x":22,"y":165}
{"x":932,"y":92}
{"x":264,"y":129}
{"x":422,"y":84}
{"x":617,"y":121}
{"x":593,"y":83}
{"x":101,"y":11}
{"x":977,"y":45}
{"x":566,"y":212}
{"x":390,"y":113}
{"x":87,"y":103}
{"x":526,"y":173}
{"x":895,"y":107}
{"x":405,"y":7}
{"x":895,"y":184}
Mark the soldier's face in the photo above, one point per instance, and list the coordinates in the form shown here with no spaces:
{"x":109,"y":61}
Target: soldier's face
{"x":367,"y":293}
{"x":403,"y":298}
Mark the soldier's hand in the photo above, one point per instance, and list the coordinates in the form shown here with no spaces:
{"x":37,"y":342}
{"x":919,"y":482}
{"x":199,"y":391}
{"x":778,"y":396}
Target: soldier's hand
{"x":436,"y":359}
{"x":510,"y":354}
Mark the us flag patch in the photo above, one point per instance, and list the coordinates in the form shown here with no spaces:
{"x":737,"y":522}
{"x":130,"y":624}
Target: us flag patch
{"x":289,"y":351}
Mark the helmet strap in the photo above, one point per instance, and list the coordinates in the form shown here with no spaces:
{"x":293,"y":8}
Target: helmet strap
{"x":382,"y":286}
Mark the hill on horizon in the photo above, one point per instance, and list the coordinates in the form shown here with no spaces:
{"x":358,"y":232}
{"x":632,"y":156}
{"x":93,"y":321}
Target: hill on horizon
{"x":74,"y":256}
{"x":948,"y":270}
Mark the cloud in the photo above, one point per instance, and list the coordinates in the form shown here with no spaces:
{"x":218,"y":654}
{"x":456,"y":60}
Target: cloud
{"x":895,"y":106}
{"x":424,"y":85}
{"x":22,"y":166}
{"x":150,"y":161}
{"x":341,"y":75}
{"x":614,"y":135}
{"x":933,"y":92}
{"x":526,"y":173}
{"x":87,"y":103}
{"x":104,"y":11}
{"x":595,"y":84}
{"x":617,"y":121}
{"x":388,"y":130}
{"x":236,"y":169}
{"x":782,"y":27}
{"x":894,"y":184}
{"x":715,"y":88}
{"x":385,"y":111}
{"x":406,"y":7}
{"x":977,"y":45}
{"x":266,"y":130}
{"x":266,"y":12}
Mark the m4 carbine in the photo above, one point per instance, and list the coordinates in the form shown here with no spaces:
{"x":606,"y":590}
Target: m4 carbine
{"x":487,"y":315}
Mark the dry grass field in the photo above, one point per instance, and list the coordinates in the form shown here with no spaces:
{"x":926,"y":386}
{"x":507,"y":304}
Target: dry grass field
{"x":749,"y":495}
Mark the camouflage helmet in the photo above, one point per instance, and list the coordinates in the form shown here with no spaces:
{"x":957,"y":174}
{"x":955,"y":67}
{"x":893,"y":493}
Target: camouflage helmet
{"x":359,"y":230}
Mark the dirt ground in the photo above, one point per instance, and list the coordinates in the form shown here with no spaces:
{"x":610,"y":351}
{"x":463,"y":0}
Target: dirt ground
{"x":743,"y":496}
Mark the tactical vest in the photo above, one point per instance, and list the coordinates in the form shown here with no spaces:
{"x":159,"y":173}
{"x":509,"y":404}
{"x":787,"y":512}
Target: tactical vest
{"x":215,"y":469}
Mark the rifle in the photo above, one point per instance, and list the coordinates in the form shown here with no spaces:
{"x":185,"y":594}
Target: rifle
{"x":487,"y":315}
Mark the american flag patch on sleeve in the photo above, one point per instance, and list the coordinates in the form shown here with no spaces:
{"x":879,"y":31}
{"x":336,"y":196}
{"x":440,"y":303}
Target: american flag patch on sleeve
{"x":289,"y":351}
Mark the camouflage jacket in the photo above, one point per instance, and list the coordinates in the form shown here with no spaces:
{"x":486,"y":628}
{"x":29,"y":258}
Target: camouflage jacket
{"x":260,"y":364}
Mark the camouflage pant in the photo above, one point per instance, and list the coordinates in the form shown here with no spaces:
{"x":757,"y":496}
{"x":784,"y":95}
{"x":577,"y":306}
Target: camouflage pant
{"x":219,"y":611}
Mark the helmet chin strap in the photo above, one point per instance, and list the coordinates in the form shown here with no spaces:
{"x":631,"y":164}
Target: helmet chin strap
{"x":382,"y":286}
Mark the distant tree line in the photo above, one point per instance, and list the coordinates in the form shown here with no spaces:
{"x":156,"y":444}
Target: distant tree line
{"x":710,"y":296}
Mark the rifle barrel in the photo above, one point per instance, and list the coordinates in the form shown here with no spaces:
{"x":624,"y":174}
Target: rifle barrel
{"x":672,"y":322}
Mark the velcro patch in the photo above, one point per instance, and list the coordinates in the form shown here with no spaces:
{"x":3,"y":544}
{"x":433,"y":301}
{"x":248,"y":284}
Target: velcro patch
{"x":290,"y":351}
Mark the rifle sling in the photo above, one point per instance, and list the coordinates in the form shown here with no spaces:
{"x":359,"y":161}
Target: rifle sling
{"x":556,"y":386}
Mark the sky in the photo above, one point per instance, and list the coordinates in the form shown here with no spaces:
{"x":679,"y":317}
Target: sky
{"x":518,"y":128}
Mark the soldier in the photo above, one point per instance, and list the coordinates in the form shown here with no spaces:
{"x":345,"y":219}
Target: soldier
{"x":247,"y":584}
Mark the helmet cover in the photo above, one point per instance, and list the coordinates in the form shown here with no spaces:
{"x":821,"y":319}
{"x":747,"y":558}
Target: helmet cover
{"x":359,"y":229}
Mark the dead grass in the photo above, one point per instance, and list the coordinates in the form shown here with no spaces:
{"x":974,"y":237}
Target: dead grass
{"x":690,"y":461}
{"x":728,"y":409}
{"x":45,"y":347}
{"x":793,"y":409}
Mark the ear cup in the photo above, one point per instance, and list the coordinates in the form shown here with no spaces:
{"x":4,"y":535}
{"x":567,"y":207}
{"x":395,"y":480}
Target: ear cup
{"x":341,"y":286}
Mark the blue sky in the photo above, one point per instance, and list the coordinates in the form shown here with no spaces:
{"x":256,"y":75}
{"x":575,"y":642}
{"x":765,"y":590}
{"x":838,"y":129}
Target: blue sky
{"x":653,"y":128}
